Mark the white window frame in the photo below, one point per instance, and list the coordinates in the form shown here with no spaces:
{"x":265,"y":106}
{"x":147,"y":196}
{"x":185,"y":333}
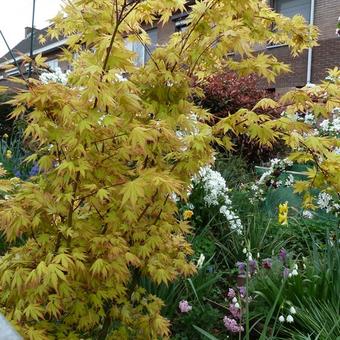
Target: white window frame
{"x":140,"y":49}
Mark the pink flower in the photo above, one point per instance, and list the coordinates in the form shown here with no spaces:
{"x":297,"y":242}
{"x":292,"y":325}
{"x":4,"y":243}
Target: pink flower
{"x":286,"y":272}
{"x":267,"y":263}
{"x":242,"y":291}
{"x":235,"y":312}
{"x":184,"y":306}
{"x":231,"y":293}
{"x":241,"y":267}
{"x":232,"y":325}
{"x":282,"y":254}
{"x":252,"y":266}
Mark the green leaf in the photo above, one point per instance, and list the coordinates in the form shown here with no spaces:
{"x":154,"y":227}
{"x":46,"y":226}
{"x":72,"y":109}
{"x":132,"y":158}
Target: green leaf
{"x":205,"y":333}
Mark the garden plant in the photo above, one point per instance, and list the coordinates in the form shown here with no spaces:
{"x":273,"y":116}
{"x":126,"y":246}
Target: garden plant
{"x":100,"y":239}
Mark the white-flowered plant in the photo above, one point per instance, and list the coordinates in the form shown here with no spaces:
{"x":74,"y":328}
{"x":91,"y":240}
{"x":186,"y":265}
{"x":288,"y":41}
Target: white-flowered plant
{"x":216,"y":194}
{"x":331,"y":127}
{"x":289,"y":318}
{"x":54,"y":77}
{"x":328,"y":203}
{"x":270,"y":179}
{"x":307,"y":214}
{"x":200,"y":261}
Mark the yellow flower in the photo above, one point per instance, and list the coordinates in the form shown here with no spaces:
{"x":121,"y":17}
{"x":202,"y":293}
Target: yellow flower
{"x":8,"y":154}
{"x":5,"y":136}
{"x":283,"y":213}
{"x":283,"y":208}
{"x":187,"y":214}
{"x":283,"y":219}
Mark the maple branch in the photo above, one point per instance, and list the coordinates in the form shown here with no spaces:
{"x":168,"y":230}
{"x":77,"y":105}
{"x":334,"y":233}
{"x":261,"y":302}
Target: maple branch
{"x":160,"y":213}
{"x":191,"y":30}
{"x":148,"y":206}
{"x":71,"y":211}
{"x":153,"y":198}
{"x":81,"y":199}
{"x":148,"y":51}
{"x":120,"y":17}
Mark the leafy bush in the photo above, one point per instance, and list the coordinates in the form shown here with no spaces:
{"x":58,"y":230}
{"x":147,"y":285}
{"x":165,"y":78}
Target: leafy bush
{"x":205,"y":316}
{"x":224,"y":94}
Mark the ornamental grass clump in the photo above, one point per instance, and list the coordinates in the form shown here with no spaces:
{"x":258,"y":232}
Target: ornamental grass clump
{"x":98,"y":215}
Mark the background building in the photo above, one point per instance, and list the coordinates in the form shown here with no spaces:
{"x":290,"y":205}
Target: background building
{"x":310,"y":67}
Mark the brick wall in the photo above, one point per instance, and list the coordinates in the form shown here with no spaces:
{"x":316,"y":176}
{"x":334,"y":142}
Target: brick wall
{"x":298,"y":65}
{"x":165,"y":31}
{"x":326,"y":17}
{"x":325,"y":56}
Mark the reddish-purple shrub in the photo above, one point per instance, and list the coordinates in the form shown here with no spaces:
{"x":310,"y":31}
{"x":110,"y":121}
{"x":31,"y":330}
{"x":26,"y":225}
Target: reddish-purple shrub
{"x":224,"y":94}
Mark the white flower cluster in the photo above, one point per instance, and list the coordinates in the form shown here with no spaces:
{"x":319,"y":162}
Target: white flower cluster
{"x":326,"y":202}
{"x":307,"y":118}
{"x":54,"y":77}
{"x":289,"y":317}
{"x":307,"y":214}
{"x":217,"y":194}
{"x":290,"y":180}
{"x":331,"y":127}
{"x":214,"y":185}
{"x":323,"y":127}
{"x":294,"y":272}
{"x":268,"y":178}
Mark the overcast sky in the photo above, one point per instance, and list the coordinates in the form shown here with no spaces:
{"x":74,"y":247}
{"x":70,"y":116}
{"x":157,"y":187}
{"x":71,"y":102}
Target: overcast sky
{"x":15,"y":15}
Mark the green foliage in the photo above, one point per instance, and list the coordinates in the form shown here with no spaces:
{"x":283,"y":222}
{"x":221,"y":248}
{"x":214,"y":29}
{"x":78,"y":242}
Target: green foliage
{"x":6,"y":124}
{"x":207,"y":317}
{"x":316,"y":320}
{"x":302,"y":234}
{"x":13,"y":153}
{"x":235,"y":170}
{"x":271,"y":294}
{"x":317,"y":284}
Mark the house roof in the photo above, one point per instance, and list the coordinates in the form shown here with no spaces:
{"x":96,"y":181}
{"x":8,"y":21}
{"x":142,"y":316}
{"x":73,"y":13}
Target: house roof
{"x":24,"y":46}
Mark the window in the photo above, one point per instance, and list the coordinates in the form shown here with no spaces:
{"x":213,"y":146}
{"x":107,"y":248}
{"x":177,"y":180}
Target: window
{"x":143,"y":52}
{"x":289,"y":8}
{"x":12,"y":72}
{"x":181,"y":25}
{"x":53,"y":64}
{"x":180,"y":21}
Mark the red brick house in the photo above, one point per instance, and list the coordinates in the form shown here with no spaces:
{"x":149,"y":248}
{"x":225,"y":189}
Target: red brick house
{"x":310,"y":67}
{"x":51,"y":50}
